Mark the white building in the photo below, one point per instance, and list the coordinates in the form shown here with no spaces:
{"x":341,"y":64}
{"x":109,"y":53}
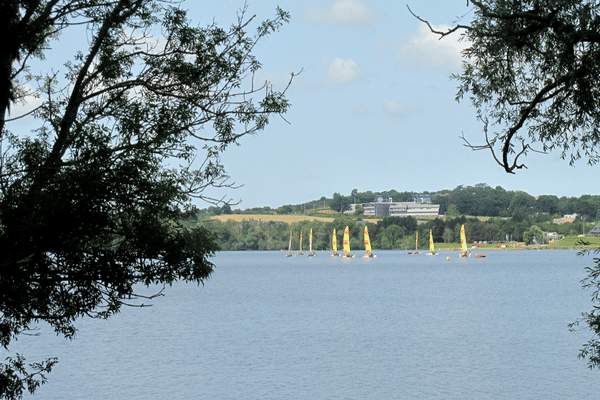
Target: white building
{"x":387,"y":207}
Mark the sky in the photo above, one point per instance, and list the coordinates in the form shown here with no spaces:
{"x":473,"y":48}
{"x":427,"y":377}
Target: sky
{"x":373,"y":107}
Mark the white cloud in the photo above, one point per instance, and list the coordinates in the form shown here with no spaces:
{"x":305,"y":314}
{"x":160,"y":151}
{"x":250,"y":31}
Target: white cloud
{"x":427,"y":50}
{"x":25,"y":105}
{"x":392,"y":107}
{"x":341,"y":12}
{"x":340,"y":72}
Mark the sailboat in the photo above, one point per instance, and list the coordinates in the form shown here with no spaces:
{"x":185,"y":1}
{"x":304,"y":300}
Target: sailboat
{"x":311,"y":253}
{"x":432,"y":251}
{"x":416,"y":246}
{"x":290,"y":254}
{"x":463,"y":243}
{"x":334,"y":244}
{"x":368,"y":252}
{"x":300,"y":253}
{"x":346,"y":243}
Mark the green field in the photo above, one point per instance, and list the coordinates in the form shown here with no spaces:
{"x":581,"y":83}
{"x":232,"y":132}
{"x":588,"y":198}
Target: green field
{"x":580,"y":243}
{"x":576,"y":243}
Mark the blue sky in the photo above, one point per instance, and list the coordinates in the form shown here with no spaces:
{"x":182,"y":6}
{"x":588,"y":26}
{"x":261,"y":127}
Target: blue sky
{"x":373,"y":108}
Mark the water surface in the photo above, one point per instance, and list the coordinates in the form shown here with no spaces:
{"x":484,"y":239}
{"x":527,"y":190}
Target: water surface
{"x":397,"y":327}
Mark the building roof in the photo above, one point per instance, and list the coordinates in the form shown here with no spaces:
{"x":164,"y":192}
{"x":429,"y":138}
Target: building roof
{"x":595,"y":230}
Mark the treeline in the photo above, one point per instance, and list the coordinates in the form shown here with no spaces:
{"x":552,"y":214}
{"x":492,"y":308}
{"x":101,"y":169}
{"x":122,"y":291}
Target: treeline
{"x":482,"y":200}
{"x":388,"y":233}
{"x":478,"y":200}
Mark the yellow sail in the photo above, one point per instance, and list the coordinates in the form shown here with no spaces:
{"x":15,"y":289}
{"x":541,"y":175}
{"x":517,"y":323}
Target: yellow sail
{"x":346,"y":241}
{"x":311,"y":253}
{"x":463,"y":243}
{"x":367,"y":242}
{"x":431,"y":246}
{"x":334,"y":242}
{"x":300,"y":241}
{"x":417,"y":242}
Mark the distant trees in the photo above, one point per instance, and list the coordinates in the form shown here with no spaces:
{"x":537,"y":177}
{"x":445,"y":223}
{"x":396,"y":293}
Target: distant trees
{"x":390,"y":237}
{"x":340,"y":203}
{"x":482,"y":200}
{"x":533,"y":235}
{"x":477,"y":200}
{"x":388,"y":233}
{"x":452,"y":211}
{"x":287,"y":209}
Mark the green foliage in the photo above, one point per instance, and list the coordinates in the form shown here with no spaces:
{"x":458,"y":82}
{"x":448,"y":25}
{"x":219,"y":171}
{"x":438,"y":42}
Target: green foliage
{"x":389,"y":233}
{"x":15,"y":377}
{"x":533,"y":235}
{"x":531,"y":72}
{"x":97,"y":200}
{"x":288,"y":209}
{"x":452,"y":211}
{"x":390,"y":237}
{"x":340,"y":203}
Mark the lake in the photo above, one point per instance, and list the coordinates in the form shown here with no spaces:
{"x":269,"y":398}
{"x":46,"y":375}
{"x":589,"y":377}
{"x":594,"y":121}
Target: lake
{"x":396,"y":327}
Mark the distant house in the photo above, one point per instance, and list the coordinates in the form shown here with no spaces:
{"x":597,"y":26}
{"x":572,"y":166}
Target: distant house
{"x":552,"y":236}
{"x":595,"y":231}
{"x":565,"y":219}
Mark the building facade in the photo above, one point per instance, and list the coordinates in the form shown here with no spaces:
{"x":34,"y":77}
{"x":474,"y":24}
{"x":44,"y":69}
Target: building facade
{"x":565,"y":219}
{"x":385,"y":206}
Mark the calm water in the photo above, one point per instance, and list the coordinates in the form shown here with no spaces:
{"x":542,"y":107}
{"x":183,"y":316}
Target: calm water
{"x":397,"y":327}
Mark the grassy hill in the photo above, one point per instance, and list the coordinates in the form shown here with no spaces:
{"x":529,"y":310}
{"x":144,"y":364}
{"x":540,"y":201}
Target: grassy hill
{"x":576,"y":243}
